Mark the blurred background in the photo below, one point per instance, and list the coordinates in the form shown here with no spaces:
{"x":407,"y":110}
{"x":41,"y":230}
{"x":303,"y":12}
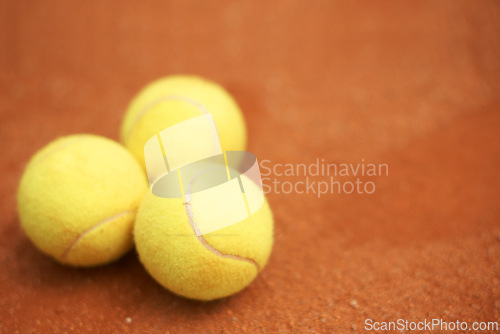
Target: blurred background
{"x":411,"y":84}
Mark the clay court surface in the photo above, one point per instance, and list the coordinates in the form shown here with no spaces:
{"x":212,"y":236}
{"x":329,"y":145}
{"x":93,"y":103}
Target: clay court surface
{"x":414,"y":85}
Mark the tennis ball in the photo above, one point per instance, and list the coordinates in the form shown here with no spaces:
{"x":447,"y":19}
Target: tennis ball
{"x":78,"y":198}
{"x":173,"y":99}
{"x":204,"y":267}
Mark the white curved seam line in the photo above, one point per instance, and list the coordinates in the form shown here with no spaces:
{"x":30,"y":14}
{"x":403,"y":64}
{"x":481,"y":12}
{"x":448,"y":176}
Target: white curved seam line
{"x":57,"y":148}
{"x":200,"y":238}
{"x":162,"y":99}
{"x":82,"y":235}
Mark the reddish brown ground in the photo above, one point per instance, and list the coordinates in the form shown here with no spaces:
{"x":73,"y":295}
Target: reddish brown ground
{"x":415,"y":85}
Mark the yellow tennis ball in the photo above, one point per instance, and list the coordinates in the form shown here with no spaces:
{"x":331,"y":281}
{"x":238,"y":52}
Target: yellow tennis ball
{"x":78,"y":198}
{"x":205,"y":267}
{"x":174,"y":99}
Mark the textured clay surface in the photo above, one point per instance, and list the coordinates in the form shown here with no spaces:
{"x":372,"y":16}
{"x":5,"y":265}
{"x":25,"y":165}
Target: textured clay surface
{"x":414,"y":85}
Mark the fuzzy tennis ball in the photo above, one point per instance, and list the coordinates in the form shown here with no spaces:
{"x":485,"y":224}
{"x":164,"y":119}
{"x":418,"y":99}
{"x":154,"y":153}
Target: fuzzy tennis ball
{"x":78,"y":198}
{"x":204,"y":267}
{"x":173,"y":99}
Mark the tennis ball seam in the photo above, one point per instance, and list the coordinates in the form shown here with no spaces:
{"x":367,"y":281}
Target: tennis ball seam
{"x":144,"y":111}
{"x":211,"y":248}
{"x":86,"y":232}
{"x":57,"y":148}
